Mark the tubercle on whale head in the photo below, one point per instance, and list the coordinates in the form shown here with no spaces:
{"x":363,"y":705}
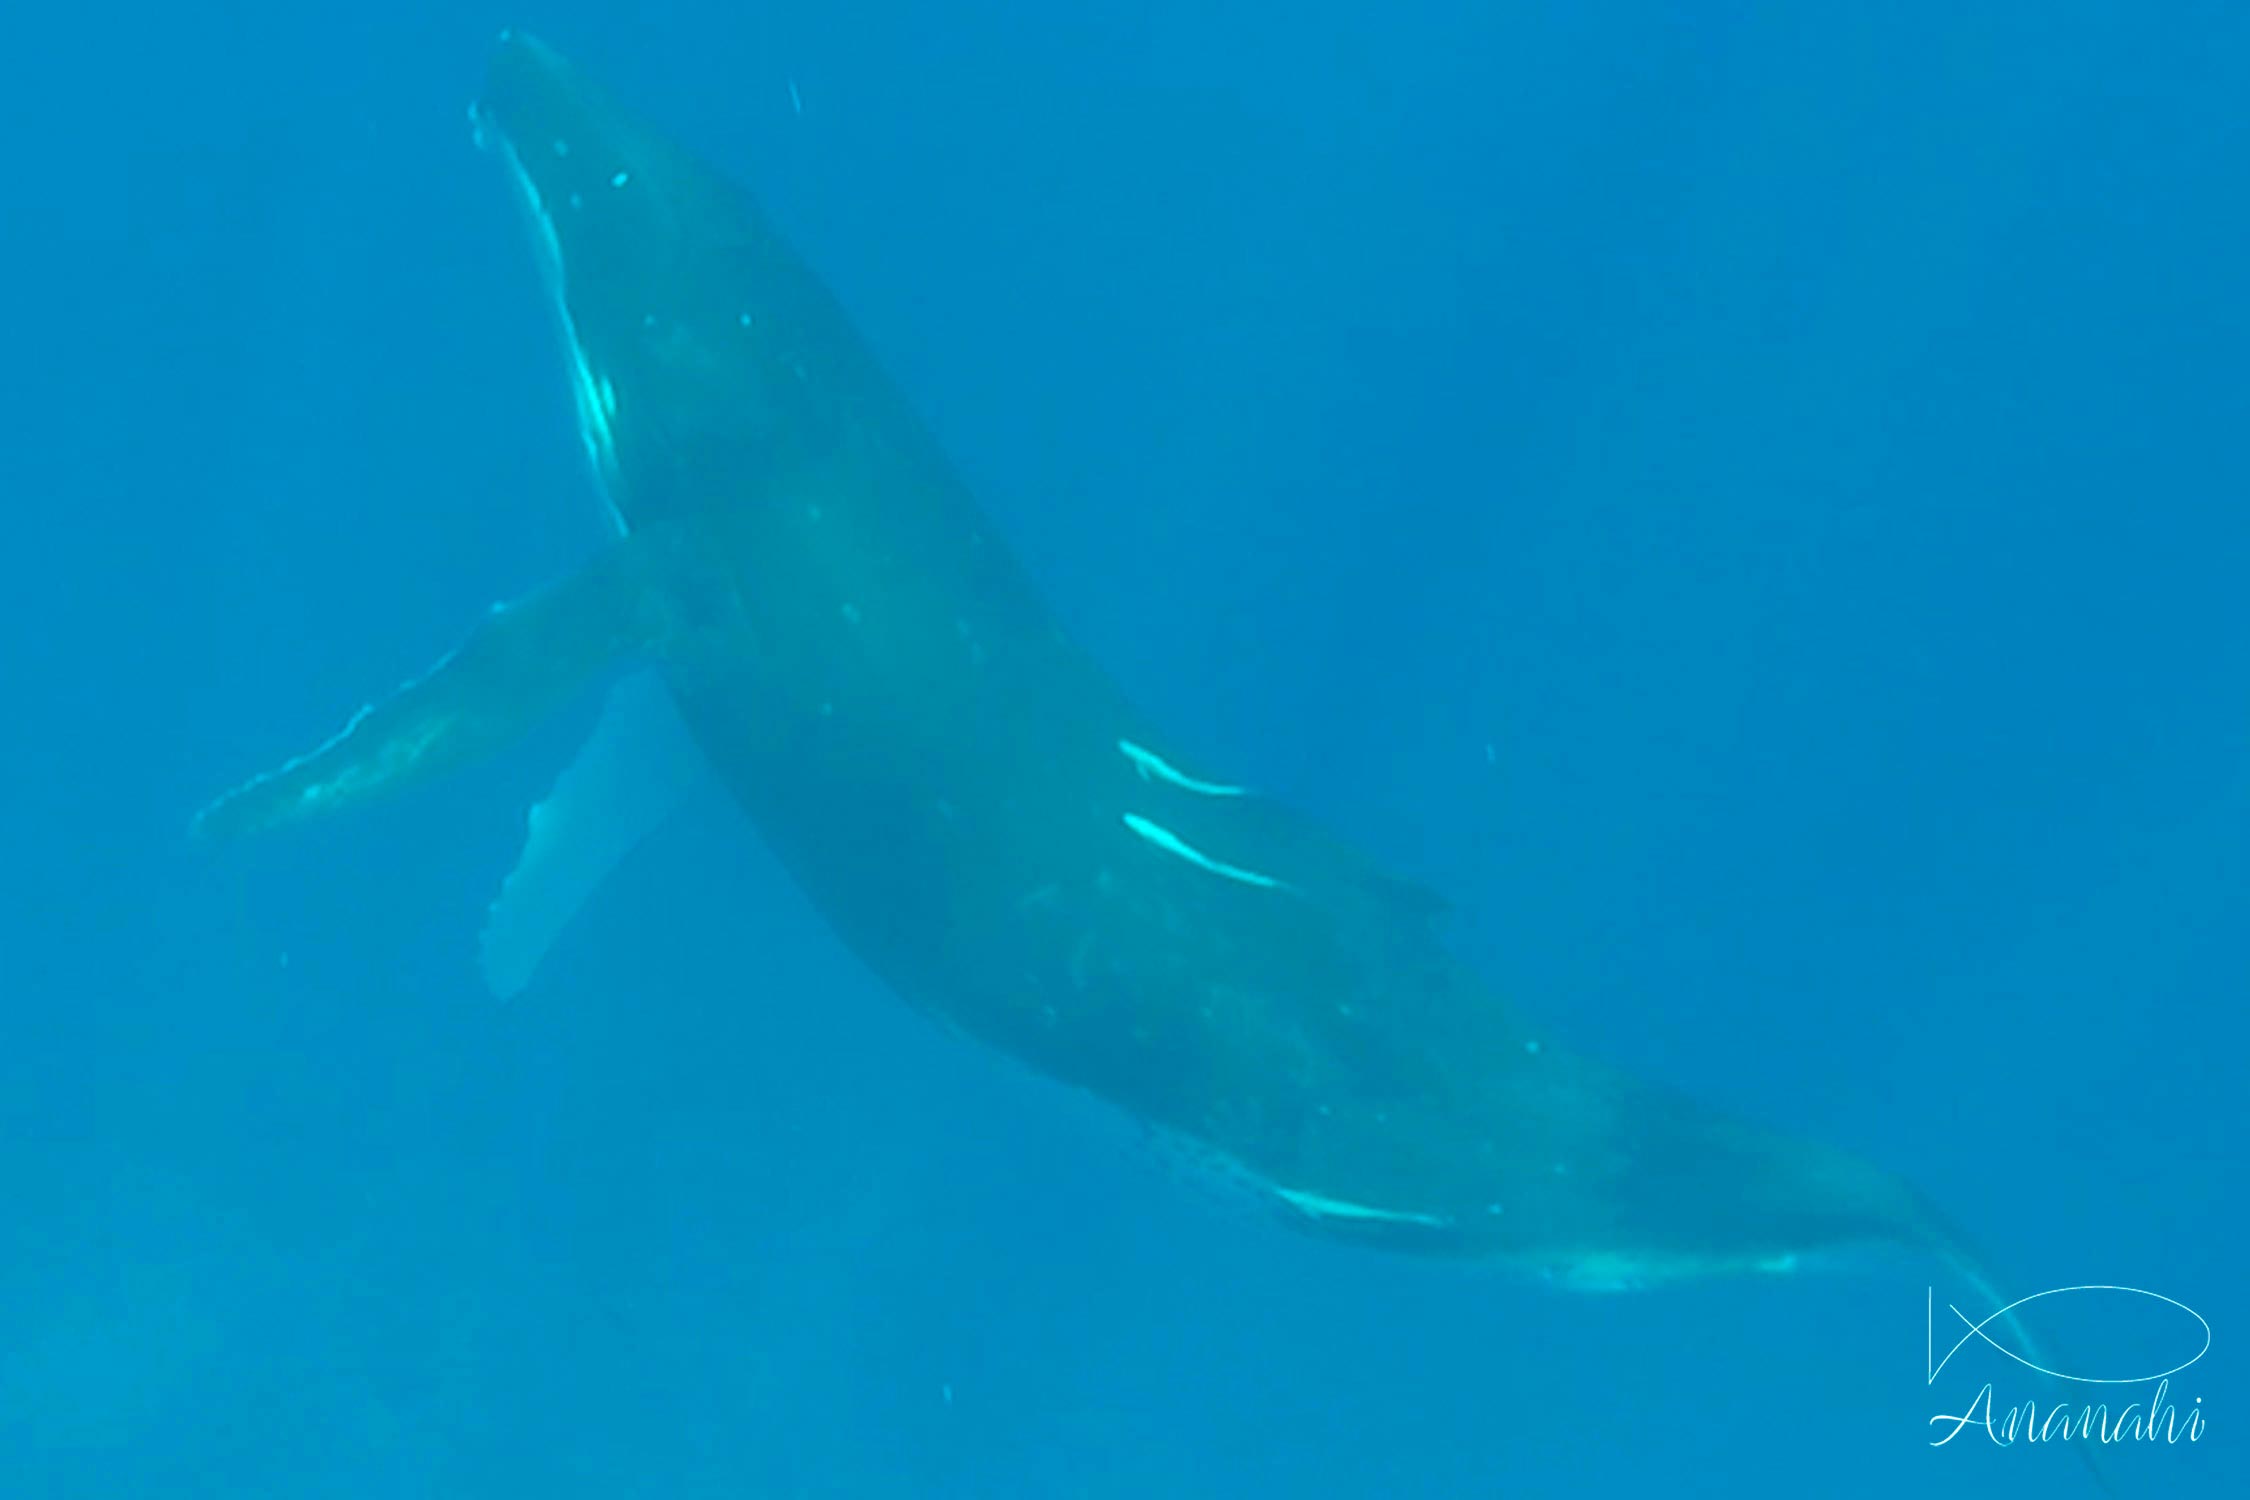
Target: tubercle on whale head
{"x":577,"y":152}
{"x":523,"y":77}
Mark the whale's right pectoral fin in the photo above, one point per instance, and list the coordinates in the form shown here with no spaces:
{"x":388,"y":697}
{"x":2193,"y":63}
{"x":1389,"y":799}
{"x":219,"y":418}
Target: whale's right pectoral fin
{"x":522,"y":661}
{"x":639,"y":764}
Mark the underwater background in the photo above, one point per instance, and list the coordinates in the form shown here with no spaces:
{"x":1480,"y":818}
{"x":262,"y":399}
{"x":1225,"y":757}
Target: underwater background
{"x":1750,"y":502}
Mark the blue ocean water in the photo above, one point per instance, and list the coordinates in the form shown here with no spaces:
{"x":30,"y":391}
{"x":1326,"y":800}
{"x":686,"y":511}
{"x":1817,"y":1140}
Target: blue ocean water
{"x":1751,"y":506}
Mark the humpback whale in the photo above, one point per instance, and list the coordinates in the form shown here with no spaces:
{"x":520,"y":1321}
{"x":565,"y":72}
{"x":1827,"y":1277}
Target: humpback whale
{"x":993,"y":827}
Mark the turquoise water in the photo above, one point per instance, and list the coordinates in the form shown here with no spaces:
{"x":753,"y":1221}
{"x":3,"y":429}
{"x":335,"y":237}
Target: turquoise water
{"x":1751,"y":509}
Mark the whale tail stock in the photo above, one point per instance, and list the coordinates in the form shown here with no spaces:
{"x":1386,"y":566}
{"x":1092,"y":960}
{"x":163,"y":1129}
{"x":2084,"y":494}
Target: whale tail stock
{"x":1952,"y":1249}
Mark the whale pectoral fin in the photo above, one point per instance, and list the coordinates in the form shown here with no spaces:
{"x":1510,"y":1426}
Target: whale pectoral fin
{"x":523,"y":660}
{"x":636,"y":768}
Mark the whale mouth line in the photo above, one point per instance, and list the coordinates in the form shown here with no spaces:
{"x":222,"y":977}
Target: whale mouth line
{"x":592,"y":395}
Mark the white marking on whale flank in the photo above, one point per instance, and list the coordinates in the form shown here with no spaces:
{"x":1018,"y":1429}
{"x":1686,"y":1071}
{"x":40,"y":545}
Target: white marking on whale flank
{"x":1154,"y":767}
{"x":1631,"y":1270}
{"x":1171,"y":843}
{"x":1318,"y":1207}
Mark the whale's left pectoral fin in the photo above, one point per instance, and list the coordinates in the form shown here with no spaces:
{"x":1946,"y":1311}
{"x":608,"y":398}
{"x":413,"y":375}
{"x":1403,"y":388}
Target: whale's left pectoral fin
{"x":522,"y":661}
